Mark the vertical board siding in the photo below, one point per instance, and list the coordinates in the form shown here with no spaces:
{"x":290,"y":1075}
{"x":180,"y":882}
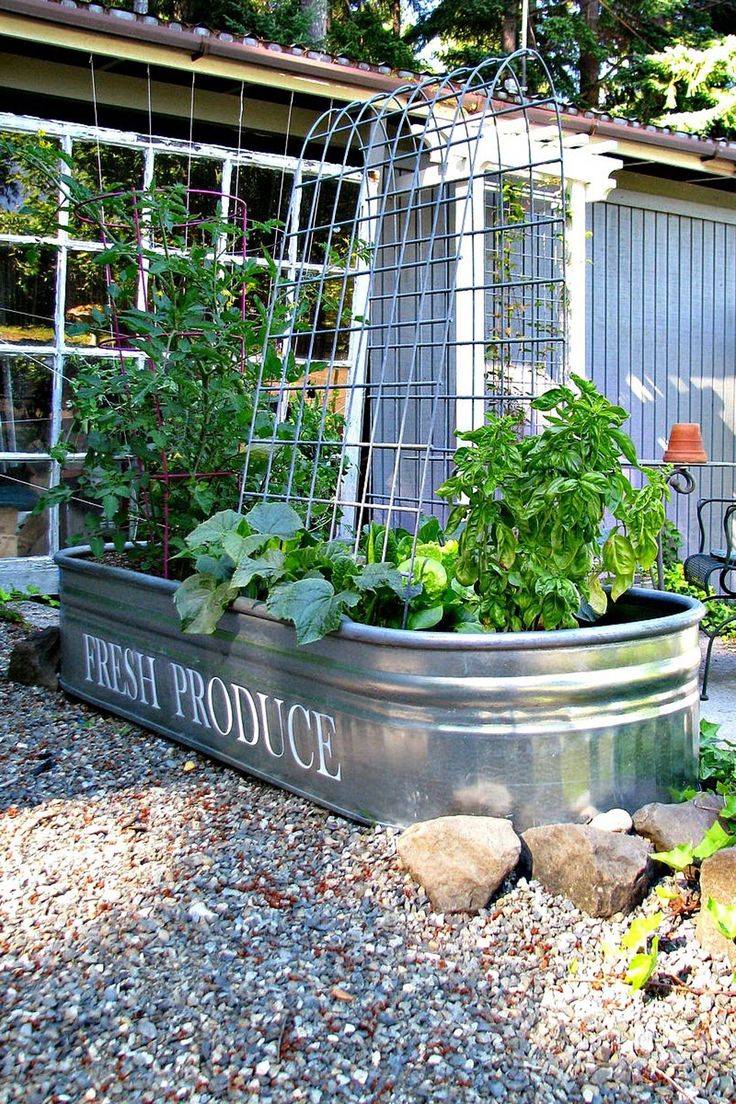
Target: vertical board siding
{"x":661,"y":335}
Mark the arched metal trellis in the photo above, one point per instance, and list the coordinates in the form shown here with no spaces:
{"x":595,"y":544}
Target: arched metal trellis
{"x":425,"y":285}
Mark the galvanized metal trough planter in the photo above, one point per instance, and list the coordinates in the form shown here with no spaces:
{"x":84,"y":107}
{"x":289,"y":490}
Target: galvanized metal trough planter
{"x":393,"y":727}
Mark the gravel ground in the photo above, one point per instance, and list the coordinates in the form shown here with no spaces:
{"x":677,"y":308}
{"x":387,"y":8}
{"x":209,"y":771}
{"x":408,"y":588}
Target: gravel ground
{"x":170,"y":930}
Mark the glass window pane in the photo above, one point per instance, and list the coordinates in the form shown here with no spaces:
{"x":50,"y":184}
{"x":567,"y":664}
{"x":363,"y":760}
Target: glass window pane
{"x":257,"y":294}
{"x":27,"y":287}
{"x":327,"y":215}
{"x":21,"y":485}
{"x":330,"y":338}
{"x":201,"y":181}
{"x":87,"y":296}
{"x":28,"y":197}
{"x":121,"y":170}
{"x":25,"y":403}
{"x":266,"y":194}
{"x":72,"y":514}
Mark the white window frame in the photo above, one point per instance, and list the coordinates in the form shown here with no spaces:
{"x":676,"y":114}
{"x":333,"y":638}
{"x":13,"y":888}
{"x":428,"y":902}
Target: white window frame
{"x":40,"y":571}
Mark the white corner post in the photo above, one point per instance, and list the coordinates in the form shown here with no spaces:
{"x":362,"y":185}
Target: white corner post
{"x":576,"y":277}
{"x":470,"y":322}
{"x":589,"y":175}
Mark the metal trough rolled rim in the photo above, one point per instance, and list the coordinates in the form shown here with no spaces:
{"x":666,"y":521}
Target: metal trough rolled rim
{"x":690,"y":614}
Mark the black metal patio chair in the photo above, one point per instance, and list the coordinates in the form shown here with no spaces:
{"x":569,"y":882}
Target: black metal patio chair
{"x":702,"y":566}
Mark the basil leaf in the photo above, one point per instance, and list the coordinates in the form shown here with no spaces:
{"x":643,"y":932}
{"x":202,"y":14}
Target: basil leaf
{"x":619,"y":559}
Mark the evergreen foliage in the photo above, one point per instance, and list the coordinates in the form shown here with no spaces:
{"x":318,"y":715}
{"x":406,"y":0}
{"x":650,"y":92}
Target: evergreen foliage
{"x":670,"y":61}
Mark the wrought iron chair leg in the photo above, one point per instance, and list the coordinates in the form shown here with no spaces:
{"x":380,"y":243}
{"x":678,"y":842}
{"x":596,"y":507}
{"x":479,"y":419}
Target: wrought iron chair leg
{"x":706,"y":670}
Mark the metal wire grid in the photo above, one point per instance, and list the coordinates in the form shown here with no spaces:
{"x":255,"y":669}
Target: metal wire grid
{"x":444,"y":284}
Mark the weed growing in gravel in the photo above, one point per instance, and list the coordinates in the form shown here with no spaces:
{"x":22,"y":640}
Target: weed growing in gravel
{"x":8,"y":598}
{"x":643,"y":961}
{"x":686,"y":856}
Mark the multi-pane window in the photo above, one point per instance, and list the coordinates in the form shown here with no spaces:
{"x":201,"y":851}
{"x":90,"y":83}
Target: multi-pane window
{"x":49,"y":283}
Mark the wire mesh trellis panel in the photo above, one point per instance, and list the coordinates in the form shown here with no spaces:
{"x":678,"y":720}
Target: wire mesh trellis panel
{"x":425,"y":286}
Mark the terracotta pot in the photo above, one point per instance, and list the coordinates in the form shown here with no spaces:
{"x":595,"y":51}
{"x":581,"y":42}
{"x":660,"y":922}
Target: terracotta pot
{"x":685,"y":445}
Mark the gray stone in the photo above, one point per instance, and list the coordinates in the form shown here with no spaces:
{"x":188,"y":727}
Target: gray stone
{"x":34,"y":661}
{"x":668,"y":826}
{"x":602,"y":873}
{"x":459,"y":861}
{"x":717,"y":880}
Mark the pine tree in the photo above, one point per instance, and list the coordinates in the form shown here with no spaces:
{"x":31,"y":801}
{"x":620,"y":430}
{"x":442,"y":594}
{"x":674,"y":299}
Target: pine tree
{"x":698,"y":86}
{"x":597,"y":51}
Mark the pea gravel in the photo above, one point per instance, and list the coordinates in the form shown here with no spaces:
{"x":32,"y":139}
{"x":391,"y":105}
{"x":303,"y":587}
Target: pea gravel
{"x":172,"y":931}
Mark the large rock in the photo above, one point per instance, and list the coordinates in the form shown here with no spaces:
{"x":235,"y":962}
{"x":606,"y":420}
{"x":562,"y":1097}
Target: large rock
{"x":35,"y":660}
{"x":717,"y":880}
{"x":601,"y":872}
{"x":459,"y":861}
{"x":668,"y":826}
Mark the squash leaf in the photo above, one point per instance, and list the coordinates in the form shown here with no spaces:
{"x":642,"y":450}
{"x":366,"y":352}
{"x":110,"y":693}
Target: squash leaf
{"x":275,"y":519}
{"x":201,"y":601}
{"x":269,"y":566}
{"x":213,"y":529}
{"x":312,"y":607}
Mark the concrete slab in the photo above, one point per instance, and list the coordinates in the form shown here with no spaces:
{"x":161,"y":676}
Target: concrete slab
{"x":721,"y":704}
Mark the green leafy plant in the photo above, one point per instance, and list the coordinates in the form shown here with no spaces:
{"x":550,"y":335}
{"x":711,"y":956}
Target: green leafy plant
{"x":166,"y":433}
{"x":522,"y":549}
{"x":165,"y":425}
{"x":643,"y":962}
{"x":531,"y":510}
{"x":724,"y":917}
{"x":717,"y":613}
{"x":716,"y":838}
{"x":640,"y":930}
{"x":10,"y":596}
{"x":680,"y":858}
{"x":717,"y":759}
{"x":642,"y":966}
{"x":267,"y":554}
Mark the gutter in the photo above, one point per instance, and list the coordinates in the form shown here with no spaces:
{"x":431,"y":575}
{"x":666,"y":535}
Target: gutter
{"x":706,"y":150}
{"x":346,"y":78}
{"x":199,"y":44}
